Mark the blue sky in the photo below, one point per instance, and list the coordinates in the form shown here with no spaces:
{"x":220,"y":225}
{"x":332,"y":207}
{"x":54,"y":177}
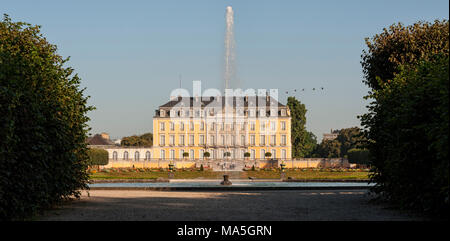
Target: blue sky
{"x":130,"y":54}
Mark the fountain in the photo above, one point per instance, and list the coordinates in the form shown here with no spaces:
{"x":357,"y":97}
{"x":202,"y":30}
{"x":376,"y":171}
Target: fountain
{"x":225,"y":181}
{"x":229,"y":71}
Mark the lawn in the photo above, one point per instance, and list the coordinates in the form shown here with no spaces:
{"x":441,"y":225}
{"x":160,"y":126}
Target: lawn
{"x":207,"y":174}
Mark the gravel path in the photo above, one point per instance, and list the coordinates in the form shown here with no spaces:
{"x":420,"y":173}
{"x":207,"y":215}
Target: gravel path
{"x":352,"y":205}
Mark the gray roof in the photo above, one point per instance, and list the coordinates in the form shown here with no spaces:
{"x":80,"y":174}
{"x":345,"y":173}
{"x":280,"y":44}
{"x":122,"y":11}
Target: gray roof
{"x":211,"y":101}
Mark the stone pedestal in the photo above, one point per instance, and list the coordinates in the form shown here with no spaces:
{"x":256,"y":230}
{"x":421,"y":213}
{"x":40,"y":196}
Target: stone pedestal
{"x":225,"y":180}
{"x":171,"y":175}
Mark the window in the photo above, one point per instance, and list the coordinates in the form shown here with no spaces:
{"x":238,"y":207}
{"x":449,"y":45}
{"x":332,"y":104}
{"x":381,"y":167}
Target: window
{"x":172,"y":140}
{"x":222,"y":140}
{"x":162,"y":140}
{"x":191,"y":126}
{"x":274,"y":153}
{"x":172,"y":126}
{"x":125,"y":155}
{"x":148,"y":155}
{"x":283,"y":154}
{"x":262,"y":140}
{"x":242,"y":154}
{"x":161,"y":126}
{"x":252,"y":154}
{"x":172,"y":154}
{"x":202,"y":140}
{"x":283,"y":139}
{"x":273,"y":126}
{"x":191,"y":140}
{"x":222,"y":126}
{"x":163,"y":154}
{"x":263,"y":154}
{"x":212,"y":140}
{"x":202,"y":125}
{"x":243,"y":126}
{"x":283,"y":125}
{"x":262,"y":112}
{"x":136,"y":156}
{"x":262,"y":126}
{"x":181,"y":154}
{"x":202,"y":152}
{"x":181,"y":140}
{"x":252,"y":126}
{"x":233,"y":140}
{"x":114,"y":155}
{"x":191,"y":154}
{"x":252,"y":140}
{"x":181,"y":126}
{"x":273,"y":140}
{"x":242,"y":140}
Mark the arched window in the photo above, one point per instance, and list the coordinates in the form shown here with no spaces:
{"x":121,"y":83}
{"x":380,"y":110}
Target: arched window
{"x":136,"y":156}
{"x":148,"y":155}
{"x":125,"y":155}
{"x":114,"y":155}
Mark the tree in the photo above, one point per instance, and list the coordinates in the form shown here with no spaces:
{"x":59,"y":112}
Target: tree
{"x":97,"y":157}
{"x":268,"y":154}
{"x":43,"y":124}
{"x":358,"y":156}
{"x":206,"y":154}
{"x":350,"y":138}
{"x":145,"y":140}
{"x":299,"y":135}
{"x":247,"y":154}
{"x":407,"y":122}
{"x":310,"y":144}
{"x":329,"y":149}
{"x":401,"y":45}
{"x":185,"y":154}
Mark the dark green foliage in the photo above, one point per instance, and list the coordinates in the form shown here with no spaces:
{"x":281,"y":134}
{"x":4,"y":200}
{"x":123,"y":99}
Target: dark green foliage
{"x":350,"y":138}
{"x":329,"y":149}
{"x":43,"y":154}
{"x":407,"y":123}
{"x":97,"y":157}
{"x":358,"y":156}
{"x":145,"y":140}
{"x":185,"y":154}
{"x":401,"y":45}
{"x":247,"y":154}
{"x":206,"y":154}
{"x":268,"y":154}
{"x":303,"y":142}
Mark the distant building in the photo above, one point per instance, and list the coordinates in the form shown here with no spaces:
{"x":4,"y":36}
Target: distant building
{"x":194,"y":125}
{"x":100,"y":141}
{"x":331,"y":136}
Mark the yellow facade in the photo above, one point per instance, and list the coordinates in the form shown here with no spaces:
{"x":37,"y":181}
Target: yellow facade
{"x":168,"y":142}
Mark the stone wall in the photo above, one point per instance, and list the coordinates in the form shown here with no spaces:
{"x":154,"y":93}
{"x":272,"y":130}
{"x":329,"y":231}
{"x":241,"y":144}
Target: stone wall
{"x":236,"y":164}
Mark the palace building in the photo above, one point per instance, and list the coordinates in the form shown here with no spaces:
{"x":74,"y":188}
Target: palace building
{"x":225,"y":127}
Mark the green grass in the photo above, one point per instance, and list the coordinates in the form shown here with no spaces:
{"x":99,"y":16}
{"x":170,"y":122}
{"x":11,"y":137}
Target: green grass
{"x":207,"y":174}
